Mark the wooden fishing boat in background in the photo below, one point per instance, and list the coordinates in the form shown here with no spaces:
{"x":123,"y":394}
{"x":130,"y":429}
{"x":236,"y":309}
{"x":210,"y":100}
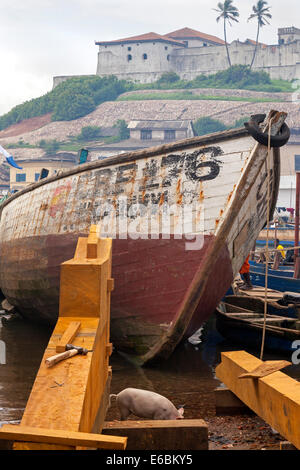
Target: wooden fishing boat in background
{"x":183,"y":218}
{"x":284,"y":275}
{"x":281,"y":279}
{"x":244,"y":326}
{"x":286,"y":305}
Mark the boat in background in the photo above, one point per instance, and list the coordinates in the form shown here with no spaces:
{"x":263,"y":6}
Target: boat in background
{"x":244,"y":326}
{"x":183,"y":218}
{"x":286,"y":305}
{"x":281,"y":279}
{"x":282,"y":276}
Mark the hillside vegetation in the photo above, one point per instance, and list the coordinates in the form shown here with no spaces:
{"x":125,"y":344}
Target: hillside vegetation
{"x":70,"y":100}
{"x":80,"y":96}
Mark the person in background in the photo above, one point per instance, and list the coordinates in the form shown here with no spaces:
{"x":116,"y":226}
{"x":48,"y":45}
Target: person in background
{"x":280,"y":248}
{"x":245,"y":274}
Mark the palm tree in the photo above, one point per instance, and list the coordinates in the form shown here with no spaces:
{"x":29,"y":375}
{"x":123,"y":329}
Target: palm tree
{"x":229,"y":13}
{"x":262,"y":13}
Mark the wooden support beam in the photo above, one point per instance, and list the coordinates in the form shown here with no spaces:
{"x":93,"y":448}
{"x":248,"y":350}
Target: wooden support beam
{"x":175,"y":434}
{"x":68,"y":336}
{"x":92,"y":243}
{"x":67,"y":438}
{"x":275,"y":398}
{"x":228,"y":404}
{"x":73,"y":395}
{"x":109,"y":349}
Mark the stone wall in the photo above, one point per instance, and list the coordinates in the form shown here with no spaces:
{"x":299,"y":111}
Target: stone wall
{"x":280,"y":61}
{"x":62,"y":78}
{"x":145,"y":62}
{"x":142,"y":61}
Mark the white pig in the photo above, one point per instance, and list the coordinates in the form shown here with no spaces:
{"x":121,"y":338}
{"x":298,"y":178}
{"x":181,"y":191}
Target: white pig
{"x":146,"y":404}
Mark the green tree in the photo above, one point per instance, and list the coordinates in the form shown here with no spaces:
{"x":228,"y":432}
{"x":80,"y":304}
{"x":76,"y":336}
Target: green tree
{"x":261,"y":12}
{"x":42,"y":143}
{"x":168,"y":77}
{"x":229,"y":13}
{"x":51,"y":147}
{"x":207,"y":125}
{"x":72,"y":106}
{"x":123,"y":129}
{"x":89,"y":133}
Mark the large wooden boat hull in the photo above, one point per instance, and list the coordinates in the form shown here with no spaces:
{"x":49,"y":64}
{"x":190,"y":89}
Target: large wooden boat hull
{"x":167,"y":283}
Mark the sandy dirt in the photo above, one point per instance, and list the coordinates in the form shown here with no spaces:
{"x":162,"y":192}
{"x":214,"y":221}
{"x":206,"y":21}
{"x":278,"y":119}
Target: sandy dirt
{"x":27,"y":125}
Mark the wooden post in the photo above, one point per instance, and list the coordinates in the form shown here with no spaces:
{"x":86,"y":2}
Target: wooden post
{"x":277,"y":259}
{"x":275,"y":397}
{"x":72,"y":395}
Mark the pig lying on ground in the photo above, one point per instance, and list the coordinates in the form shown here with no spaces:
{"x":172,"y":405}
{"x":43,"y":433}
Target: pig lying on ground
{"x":146,"y":404}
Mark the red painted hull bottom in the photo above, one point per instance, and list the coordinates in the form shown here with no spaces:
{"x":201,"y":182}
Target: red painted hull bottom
{"x":152,"y":282}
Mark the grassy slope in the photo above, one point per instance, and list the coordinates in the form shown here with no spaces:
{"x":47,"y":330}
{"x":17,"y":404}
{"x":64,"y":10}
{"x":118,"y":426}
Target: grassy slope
{"x":186,"y":95}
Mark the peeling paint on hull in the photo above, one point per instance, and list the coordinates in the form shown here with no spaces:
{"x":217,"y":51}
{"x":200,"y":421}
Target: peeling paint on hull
{"x":163,"y":291}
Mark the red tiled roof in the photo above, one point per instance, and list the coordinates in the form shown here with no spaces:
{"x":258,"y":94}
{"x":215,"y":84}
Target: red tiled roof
{"x":142,"y":38}
{"x":254,"y":42}
{"x":188,"y":33}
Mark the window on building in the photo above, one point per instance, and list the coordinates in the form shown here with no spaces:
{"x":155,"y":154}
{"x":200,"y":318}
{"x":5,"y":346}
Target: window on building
{"x":36,"y":176}
{"x":204,"y":44}
{"x":145,"y":57}
{"x":20,"y":177}
{"x":129,"y":48}
{"x":186,"y":43}
{"x":129,"y":57}
{"x":166,"y":48}
{"x":146,"y":134}
{"x":281,"y":41}
{"x":168,"y":57}
{"x":170,"y":135}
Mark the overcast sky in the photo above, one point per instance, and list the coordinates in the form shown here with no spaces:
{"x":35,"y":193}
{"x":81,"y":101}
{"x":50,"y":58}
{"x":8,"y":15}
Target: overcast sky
{"x":44,"y":38}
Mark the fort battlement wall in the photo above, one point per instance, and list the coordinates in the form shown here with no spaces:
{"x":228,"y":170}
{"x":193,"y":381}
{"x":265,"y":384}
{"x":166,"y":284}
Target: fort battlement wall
{"x":145,"y":58}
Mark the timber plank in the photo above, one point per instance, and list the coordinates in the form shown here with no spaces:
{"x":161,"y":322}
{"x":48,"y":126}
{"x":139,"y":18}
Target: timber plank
{"x":180,"y":434}
{"x":55,"y":436}
{"x":68,"y":336}
{"x":72,"y":396}
{"x":275,"y":398}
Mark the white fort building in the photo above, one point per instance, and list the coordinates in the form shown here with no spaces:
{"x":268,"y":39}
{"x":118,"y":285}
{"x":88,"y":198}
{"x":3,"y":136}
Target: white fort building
{"x":189,"y":53}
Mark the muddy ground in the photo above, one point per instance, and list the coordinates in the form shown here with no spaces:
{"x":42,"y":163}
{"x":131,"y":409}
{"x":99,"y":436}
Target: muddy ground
{"x":242,"y":432}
